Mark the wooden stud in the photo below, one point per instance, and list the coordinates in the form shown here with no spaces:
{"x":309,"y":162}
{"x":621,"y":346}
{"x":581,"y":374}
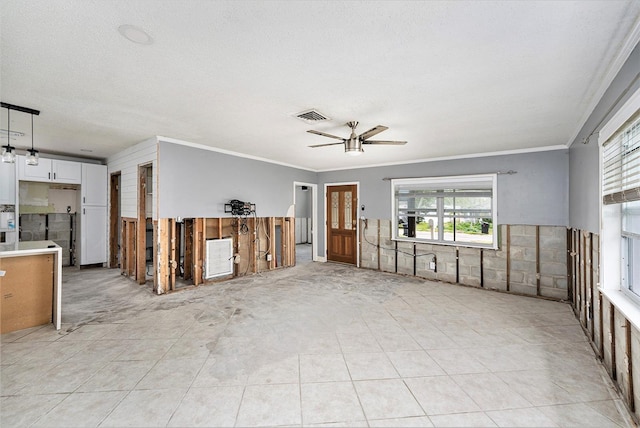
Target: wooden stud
{"x":612,"y":332}
{"x":272,"y":244}
{"x":585,"y":296}
{"x":131,"y":251}
{"x":601,"y":322}
{"x":508,"y":257}
{"x":188,"y":249}
{"x":538,"y":291}
{"x":198,"y":250}
{"x":163,"y":243}
{"x":155,"y":255}
{"x":173,"y":255}
{"x":123,"y":247}
{"x":570,"y":294}
{"x":591,"y":288}
{"x":630,"y":396}
{"x":378,"y":242}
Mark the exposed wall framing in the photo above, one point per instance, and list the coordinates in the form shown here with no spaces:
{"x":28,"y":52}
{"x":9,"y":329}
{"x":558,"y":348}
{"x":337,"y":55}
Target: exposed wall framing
{"x":259,"y":243}
{"x":613,"y":337}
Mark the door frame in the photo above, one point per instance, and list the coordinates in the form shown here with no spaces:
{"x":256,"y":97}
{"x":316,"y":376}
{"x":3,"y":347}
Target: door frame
{"x":314,"y":215}
{"x":326,"y":212}
{"x":115,"y":245}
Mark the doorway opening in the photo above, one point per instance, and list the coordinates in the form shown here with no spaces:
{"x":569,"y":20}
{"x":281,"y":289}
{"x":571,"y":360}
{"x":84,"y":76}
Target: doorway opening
{"x":304,"y":200}
{"x":145,"y":255}
{"x":114,"y":220}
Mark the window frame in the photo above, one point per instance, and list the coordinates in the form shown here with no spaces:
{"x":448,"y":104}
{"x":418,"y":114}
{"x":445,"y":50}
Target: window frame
{"x":612,"y":281}
{"x":447,"y":182}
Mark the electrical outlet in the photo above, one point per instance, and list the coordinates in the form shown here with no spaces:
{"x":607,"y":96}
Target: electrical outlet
{"x":432,"y":265}
{"x":268,"y":257}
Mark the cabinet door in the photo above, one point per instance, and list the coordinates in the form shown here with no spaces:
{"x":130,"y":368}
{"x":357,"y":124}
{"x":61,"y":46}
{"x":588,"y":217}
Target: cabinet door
{"x":93,"y":232}
{"x":94,"y":184}
{"x":67,"y":172}
{"x":7,"y":183}
{"x":40,"y":172}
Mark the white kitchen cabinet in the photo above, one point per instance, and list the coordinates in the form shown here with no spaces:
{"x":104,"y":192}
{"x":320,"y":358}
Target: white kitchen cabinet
{"x":7,"y":183}
{"x":93,"y":214}
{"x":50,"y":170}
{"x":66,"y":172}
{"x":93,"y":235}
{"x":94,"y":184}
{"x":40,"y":172}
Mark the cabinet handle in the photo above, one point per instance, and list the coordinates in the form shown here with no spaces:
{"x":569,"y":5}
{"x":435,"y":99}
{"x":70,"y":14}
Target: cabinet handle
{"x":84,"y":199}
{"x":54,"y":175}
{"x":49,"y":176}
{"x":84,"y":211}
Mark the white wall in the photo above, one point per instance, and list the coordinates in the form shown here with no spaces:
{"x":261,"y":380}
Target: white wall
{"x":127,"y":162}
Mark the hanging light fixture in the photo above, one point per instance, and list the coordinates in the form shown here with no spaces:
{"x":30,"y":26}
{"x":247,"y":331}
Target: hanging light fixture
{"x":33,"y":156}
{"x":8,"y":151}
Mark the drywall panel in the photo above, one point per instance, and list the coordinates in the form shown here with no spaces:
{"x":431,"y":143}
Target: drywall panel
{"x":584,"y":184}
{"x":196,"y":182}
{"x":127,"y":162}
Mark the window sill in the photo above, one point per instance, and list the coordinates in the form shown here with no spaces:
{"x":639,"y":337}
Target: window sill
{"x":625,"y":304}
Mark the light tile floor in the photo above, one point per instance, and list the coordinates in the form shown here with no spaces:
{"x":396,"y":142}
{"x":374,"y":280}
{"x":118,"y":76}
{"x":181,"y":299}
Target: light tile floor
{"x":313,"y":345}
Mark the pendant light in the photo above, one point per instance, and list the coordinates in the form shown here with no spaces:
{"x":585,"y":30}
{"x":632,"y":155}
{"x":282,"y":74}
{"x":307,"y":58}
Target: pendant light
{"x":8,"y":151}
{"x":33,"y":156}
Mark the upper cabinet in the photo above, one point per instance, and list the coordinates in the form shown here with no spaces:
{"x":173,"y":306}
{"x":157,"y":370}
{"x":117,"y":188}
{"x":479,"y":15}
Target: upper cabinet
{"x":7,"y":183}
{"x":66,"y":171}
{"x":50,"y":170}
{"x":94,"y":184}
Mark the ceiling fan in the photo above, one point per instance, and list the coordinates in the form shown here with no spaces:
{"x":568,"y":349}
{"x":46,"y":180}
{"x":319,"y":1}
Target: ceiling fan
{"x":353,"y":144}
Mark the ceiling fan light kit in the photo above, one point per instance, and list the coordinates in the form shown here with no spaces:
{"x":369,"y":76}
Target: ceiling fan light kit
{"x":353,"y":144}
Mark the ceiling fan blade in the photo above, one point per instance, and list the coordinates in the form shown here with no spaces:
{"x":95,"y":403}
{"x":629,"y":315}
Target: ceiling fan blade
{"x":312,"y":131}
{"x":373,"y":131}
{"x":388,"y":143}
{"x":328,"y":144}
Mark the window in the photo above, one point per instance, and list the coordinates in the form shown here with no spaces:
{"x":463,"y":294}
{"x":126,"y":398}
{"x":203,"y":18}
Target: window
{"x":447,"y":210}
{"x":621,"y":201}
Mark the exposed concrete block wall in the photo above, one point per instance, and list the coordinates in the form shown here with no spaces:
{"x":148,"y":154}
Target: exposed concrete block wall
{"x":494,"y":264}
{"x":530,"y":259}
{"x":33,"y":227}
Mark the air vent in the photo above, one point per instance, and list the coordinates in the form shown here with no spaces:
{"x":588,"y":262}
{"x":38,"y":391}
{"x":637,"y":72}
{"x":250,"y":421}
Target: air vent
{"x":219,"y":258}
{"x":311,"y":116}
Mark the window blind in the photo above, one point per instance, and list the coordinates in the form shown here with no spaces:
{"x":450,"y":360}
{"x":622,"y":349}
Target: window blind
{"x":621,"y":164}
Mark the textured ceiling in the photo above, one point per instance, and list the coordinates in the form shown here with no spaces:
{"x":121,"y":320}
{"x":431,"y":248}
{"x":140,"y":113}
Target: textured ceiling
{"x":452,"y":78}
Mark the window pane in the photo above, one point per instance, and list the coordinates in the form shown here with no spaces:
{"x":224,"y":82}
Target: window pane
{"x":631,"y":217}
{"x":445,"y":209}
{"x":335,"y":205}
{"x":348,"y":205}
{"x":631,"y":264}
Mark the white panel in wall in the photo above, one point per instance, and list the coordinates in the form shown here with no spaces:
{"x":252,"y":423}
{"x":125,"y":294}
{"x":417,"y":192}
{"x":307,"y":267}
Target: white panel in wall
{"x":219,"y":258}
